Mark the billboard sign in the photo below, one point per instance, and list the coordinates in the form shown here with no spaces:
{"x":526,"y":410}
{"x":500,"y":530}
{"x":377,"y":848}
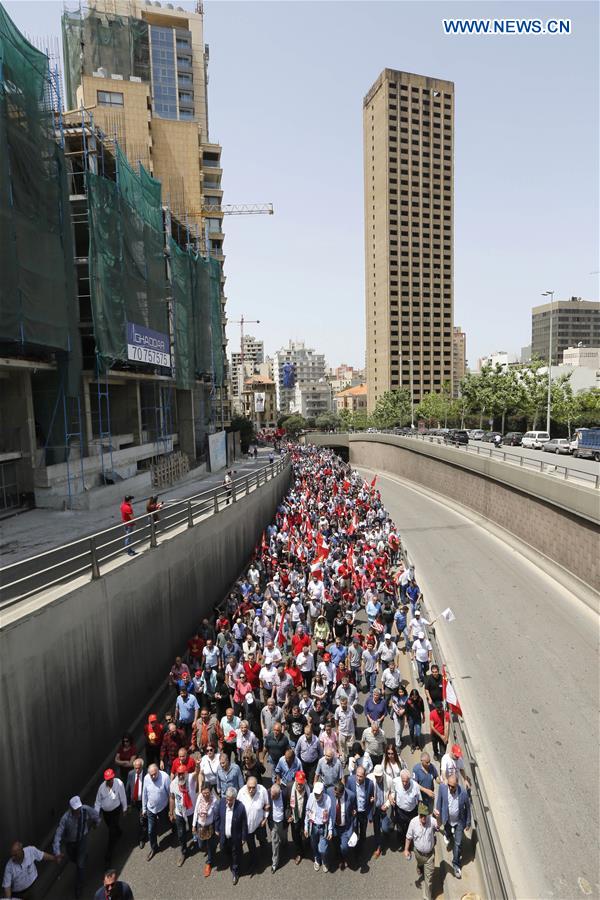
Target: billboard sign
{"x":259,"y":402}
{"x":147,"y":346}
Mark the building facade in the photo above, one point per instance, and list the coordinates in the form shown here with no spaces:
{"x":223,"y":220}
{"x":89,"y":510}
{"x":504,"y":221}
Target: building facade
{"x":141,"y":70}
{"x":588,"y":357}
{"x":352,"y":399}
{"x":408,"y":132}
{"x":295,"y":365}
{"x":253,"y":357}
{"x":459,"y":358}
{"x":259,"y":404}
{"x":312,"y":399}
{"x":574,"y":321}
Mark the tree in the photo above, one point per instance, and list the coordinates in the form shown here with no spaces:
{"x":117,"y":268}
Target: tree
{"x":392,"y":409}
{"x":587,"y":411}
{"x":294,"y":424}
{"x":328,"y":421}
{"x":345,"y":417}
{"x":360,"y":420}
{"x":246,"y":429}
{"x":432,"y":408}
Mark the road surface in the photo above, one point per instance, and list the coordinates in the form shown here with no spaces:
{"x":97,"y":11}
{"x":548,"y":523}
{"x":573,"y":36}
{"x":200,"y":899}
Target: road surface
{"x":524,"y":657}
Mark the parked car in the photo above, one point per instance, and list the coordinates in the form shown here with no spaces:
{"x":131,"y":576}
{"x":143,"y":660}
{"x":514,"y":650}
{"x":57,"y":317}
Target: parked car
{"x":476,"y":434}
{"x":491,"y":437}
{"x":513,"y":438}
{"x":456,"y":436}
{"x":556,"y":445}
{"x":588,"y":444}
{"x":533,"y":440}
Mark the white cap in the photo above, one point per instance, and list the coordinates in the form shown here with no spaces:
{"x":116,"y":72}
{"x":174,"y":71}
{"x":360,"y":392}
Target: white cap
{"x":421,"y":635}
{"x":388,"y":637}
{"x":378,"y":771}
{"x":318,"y":788}
{"x":75,"y":803}
{"x":417,"y":612}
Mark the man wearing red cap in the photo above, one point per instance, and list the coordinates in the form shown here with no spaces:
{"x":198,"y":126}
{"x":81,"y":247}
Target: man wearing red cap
{"x":182,"y":800}
{"x":111,"y":800}
{"x":295,"y":810}
{"x":153,"y":733}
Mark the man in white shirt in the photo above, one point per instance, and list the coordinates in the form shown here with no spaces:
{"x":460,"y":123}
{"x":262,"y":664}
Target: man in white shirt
{"x":421,"y":832}
{"x":422,"y":654}
{"x":255,"y":800}
{"x":155,"y":802}
{"x":453,"y":764}
{"x":272,"y":653}
{"x":318,"y":824}
{"x":111,"y":800}
{"x":315,"y":589}
{"x":20,"y":872}
{"x":182,"y":800}
{"x":277,"y":823}
{"x":405,"y":797}
{"x":345,"y":717}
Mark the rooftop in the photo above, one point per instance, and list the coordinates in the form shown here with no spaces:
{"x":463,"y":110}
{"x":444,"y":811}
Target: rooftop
{"x":360,"y":390}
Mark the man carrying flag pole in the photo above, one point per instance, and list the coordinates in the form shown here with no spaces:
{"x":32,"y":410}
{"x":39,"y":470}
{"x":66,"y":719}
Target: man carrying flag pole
{"x":449,"y":694}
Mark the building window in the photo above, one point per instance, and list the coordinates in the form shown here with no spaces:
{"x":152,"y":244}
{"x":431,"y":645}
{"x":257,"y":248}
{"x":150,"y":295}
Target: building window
{"x":109,"y":98}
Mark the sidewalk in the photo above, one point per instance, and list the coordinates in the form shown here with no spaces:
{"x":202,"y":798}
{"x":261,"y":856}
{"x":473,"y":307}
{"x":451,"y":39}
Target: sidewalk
{"x":39,"y":530}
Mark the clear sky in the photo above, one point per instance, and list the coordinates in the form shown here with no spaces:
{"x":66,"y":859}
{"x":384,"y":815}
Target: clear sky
{"x":285,"y":100}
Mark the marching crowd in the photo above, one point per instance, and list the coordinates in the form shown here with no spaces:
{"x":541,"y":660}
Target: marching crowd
{"x":262,"y":746}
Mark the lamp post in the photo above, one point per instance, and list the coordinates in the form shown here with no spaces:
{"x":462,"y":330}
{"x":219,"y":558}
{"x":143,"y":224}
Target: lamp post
{"x":548,"y":409}
{"x":412,"y":396}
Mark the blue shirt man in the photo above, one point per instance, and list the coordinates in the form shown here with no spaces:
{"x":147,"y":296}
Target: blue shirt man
{"x":186,"y":708}
{"x":338,"y":653}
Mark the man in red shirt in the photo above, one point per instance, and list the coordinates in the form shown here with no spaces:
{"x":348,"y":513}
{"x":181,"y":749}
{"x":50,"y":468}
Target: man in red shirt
{"x":440,"y":728}
{"x":300,"y":640}
{"x":153,"y":733}
{"x":252,"y":670}
{"x":195,"y":647}
{"x":128,"y":525}
{"x":183,"y":759}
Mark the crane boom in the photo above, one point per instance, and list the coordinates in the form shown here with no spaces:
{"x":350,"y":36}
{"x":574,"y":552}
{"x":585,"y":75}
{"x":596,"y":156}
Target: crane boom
{"x":237,"y":209}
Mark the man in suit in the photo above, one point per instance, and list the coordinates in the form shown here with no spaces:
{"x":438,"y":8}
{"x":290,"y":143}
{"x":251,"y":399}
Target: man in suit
{"x":231,"y":828}
{"x":133,"y":791}
{"x":453,"y":813}
{"x":363,"y":790}
{"x":343,"y":810}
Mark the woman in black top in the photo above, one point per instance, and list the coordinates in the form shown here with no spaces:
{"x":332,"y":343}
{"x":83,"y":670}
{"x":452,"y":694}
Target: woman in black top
{"x":415,"y":713}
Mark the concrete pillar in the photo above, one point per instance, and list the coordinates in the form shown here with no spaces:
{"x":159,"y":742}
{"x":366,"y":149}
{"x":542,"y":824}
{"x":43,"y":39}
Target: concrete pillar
{"x":186,"y":423}
{"x":87,"y":415}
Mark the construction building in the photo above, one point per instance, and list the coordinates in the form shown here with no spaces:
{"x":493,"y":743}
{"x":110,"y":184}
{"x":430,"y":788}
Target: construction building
{"x":408,"y":131}
{"x":459,"y":358}
{"x":111,"y":347}
{"x":574,"y":321}
{"x":295,"y":365}
{"x":245,"y":363}
{"x":141,"y":69}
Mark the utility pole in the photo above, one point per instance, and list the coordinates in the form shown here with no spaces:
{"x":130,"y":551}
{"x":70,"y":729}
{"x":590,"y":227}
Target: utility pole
{"x":550,"y":348}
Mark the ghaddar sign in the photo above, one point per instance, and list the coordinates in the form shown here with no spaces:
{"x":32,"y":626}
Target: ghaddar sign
{"x":147,"y":346}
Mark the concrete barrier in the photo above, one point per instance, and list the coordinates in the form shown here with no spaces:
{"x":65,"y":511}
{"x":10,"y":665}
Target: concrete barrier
{"x":78,"y":670}
{"x":557,"y":518}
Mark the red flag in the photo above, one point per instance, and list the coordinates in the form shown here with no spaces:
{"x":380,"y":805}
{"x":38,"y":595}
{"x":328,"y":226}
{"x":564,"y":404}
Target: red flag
{"x":280,"y":637}
{"x":373,"y":482}
{"x":285,"y":524}
{"x":345,"y":485}
{"x":263,"y":542}
{"x":449,"y":694}
{"x":334,"y":488}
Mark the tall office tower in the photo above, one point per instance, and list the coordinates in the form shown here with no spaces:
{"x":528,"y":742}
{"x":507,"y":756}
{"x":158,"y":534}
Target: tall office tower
{"x":408,"y":130}
{"x":141,"y":70}
{"x":574,"y":321}
{"x":459,"y":358}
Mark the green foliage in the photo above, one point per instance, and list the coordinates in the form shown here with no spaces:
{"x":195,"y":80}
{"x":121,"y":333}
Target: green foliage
{"x":359,"y":421}
{"x":433,"y":408}
{"x":327,"y":421}
{"x":392,"y":409}
{"x":294,"y":424}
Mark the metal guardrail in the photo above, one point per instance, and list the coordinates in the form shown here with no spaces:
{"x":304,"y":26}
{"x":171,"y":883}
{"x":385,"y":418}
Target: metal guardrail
{"x":538,"y":463}
{"x":87,"y":556}
{"x":494,"y":868}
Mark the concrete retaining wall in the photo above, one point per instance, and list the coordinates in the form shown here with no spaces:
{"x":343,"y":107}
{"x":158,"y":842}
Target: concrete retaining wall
{"x":548,"y":525}
{"x":76,"y":672}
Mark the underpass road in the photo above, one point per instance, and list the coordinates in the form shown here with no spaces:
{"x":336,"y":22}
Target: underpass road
{"x":523,"y":654}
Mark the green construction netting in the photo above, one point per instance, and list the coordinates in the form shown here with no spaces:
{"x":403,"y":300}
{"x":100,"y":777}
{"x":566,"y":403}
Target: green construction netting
{"x":183,"y":316}
{"x":207,"y":311}
{"x":37,"y":294}
{"x":95,"y":40}
{"x":127,"y":267}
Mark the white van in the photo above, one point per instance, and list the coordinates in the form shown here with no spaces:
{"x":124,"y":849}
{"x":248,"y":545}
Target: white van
{"x":533,"y":440}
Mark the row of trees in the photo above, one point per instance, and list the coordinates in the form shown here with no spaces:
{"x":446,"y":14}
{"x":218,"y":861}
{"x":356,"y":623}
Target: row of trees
{"x":503,"y":397}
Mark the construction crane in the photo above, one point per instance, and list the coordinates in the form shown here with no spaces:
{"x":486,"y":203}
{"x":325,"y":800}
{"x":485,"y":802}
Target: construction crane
{"x":240,"y":209}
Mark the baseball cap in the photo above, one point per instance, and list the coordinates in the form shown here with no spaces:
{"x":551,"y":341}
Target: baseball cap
{"x":300,"y":777}
{"x":327,"y":657}
{"x":387,"y":636}
{"x":108,"y":774}
{"x":128,"y":497}
{"x":456,"y":750}
{"x":318,"y":788}
{"x":181,"y":770}
{"x":421,"y":635}
{"x":378,"y":771}
{"x":75,"y":803}
{"x":418,"y":612}
{"x":153,"y":718}
{"x":423,"y":809}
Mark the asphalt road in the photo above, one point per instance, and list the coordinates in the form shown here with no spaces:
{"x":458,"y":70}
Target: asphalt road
{"x":533,"y":458}
{"x":524,"y":657}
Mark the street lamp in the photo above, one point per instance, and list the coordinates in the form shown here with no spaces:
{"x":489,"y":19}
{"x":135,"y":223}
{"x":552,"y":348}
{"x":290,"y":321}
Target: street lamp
{"x":551,"y":295}
{"x":412,"y":396}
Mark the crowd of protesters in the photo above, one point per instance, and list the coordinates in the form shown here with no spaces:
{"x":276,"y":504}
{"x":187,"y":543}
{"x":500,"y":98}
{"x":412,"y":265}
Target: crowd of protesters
{"x":292,"y":731}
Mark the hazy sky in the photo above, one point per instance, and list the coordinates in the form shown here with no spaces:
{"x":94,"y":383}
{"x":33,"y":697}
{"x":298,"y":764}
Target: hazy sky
{"x":285,"y":100}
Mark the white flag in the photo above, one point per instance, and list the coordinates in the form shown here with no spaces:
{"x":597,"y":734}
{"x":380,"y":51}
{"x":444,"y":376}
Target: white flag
{"x":448,"y":615}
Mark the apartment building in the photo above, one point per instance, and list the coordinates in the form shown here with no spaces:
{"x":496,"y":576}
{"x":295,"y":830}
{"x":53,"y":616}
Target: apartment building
{"x":295,"y":365}
{"x":408,"y":132}
{"x":459,"y":358}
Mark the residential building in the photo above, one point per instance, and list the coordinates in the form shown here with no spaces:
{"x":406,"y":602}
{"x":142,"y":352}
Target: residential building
{"x":526,"y":354}
{"x":352,"y":399}
{"x":141,"y":70}
{"x":408,"y":131}
{"x":312,"y":399}
{"x":345,"y":376}
{"x":459,"y":358}
{"x":588,"y":357}
{"x":259,"y":403}
{"x":253,"y":356}
{"x":574,"y":321}
{"x":295,"y":365}
{"x":498,"y":358}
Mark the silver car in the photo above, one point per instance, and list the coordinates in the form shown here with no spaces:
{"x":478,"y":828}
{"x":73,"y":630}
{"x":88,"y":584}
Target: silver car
{"x":557,"y":445}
